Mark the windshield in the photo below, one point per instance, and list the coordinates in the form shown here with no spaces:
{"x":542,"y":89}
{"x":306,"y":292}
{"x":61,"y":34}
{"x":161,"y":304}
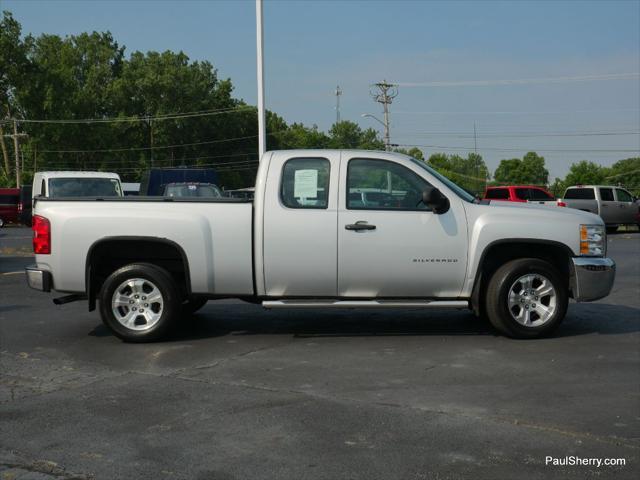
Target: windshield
{"x":84,"y":187}
{"x":461,"y":192}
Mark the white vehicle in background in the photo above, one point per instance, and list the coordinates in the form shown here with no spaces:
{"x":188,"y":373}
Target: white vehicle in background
{"x":326,"y":229}
{"x":62,"y":184}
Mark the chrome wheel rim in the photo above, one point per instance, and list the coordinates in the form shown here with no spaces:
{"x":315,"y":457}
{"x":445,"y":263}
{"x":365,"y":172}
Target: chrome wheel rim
{"x":532,"y":300}
{"x":137,"y":304}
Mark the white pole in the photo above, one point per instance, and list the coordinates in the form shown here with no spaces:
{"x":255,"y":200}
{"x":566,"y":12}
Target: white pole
{"x":260,"y":46}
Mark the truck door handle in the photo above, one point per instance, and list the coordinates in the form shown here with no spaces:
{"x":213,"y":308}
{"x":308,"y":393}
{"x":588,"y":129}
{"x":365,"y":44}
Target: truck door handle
{"x":360,"y":225}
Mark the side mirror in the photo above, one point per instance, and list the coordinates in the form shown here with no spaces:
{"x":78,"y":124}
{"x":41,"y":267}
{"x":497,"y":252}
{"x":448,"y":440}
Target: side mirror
{"x":433,"y":198}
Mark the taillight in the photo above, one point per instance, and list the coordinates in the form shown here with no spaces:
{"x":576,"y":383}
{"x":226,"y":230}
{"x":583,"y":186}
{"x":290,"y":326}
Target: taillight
{"x":41,"y":235}
{"x":560,"y":203}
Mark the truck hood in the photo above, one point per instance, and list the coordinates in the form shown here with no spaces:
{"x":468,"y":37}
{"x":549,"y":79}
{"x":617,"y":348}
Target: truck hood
{"x":538,"y":212}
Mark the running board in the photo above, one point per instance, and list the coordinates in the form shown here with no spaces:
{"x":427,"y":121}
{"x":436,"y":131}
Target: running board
{"x":275,"y":304}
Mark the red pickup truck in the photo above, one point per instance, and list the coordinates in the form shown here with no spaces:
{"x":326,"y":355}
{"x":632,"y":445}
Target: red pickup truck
{"x":9,"y":200}
{"x":523,"y":194}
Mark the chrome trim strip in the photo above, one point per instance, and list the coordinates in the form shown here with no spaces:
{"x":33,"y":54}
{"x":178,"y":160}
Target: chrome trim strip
{"x":277,"y":304}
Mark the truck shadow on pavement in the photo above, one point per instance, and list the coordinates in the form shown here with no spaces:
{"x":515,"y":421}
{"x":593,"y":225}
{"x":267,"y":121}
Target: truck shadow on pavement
{"x":222,"y":320}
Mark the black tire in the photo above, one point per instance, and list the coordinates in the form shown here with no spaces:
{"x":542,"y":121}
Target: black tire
{"x":170,"y":302}
{"x":192,"y":305}
{"x":497,"y":295}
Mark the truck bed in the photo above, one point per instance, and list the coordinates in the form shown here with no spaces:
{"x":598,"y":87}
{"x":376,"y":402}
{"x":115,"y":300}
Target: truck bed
{"x":215,"y":235}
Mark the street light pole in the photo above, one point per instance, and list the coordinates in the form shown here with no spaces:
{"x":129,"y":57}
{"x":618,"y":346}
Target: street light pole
{"x":260,"y":64}
{"x":385,"y":124}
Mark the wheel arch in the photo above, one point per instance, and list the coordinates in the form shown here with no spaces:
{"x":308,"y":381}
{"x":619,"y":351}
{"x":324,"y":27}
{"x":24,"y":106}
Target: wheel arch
{"x":110,"y":253}
{"x":499,"y":252}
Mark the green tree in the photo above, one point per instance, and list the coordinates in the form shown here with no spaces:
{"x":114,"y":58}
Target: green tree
{"x":470,"y":172}
{"x":585,"y":172}
{"x":298,"y":135}
{"x":347,"y":134}
{"x":626,"y":173}
{"x":530,"y":170}
{"x":14,"y":69}
{"x":440,"y":161}
{"x":414,"y":152}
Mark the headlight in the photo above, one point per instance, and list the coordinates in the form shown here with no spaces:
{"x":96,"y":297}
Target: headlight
{"x":593,"y":240}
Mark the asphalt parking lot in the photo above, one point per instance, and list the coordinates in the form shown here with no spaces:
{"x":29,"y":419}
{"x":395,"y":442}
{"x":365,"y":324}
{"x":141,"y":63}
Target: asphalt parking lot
{"x":243,"y":393}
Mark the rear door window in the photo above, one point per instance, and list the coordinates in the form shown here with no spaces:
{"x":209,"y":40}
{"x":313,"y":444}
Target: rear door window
{"x":580,"y":194}
{"x":606,"y":194}
{"x":497,"y":194}
{"x":305,"y":183}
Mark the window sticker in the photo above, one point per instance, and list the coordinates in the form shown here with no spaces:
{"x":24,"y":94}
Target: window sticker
{"x":306,"y":184}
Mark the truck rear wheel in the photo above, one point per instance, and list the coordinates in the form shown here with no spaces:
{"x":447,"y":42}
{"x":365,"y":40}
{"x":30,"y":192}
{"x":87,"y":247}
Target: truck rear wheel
{"x":139,"y":302}
{"x":526,"y":298}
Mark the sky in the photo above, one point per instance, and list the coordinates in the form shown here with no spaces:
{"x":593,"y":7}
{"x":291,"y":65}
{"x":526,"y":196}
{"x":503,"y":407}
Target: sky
{"x":450,"y":59}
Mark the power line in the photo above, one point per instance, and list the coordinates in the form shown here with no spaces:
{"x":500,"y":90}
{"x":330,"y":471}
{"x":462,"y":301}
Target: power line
{"x":524,"y":81}
{"x":623,"y":173}
{"x":99,"y":164}
{"x":518,"y":135}
{"x":515,"y":112}
{"x":146,"y":118}
{"x":160,"y":147}
{"x":180,"y":159}
{"x":544,"y":149}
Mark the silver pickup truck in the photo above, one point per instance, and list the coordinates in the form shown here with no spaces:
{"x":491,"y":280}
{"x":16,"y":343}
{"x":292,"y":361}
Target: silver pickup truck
{"x":327,"y":229}
{"x":615,"y":205}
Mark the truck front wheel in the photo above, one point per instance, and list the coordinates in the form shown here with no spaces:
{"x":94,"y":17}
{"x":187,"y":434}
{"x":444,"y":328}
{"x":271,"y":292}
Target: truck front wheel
{"x":526,"y":298}
{"x":139,"y":302}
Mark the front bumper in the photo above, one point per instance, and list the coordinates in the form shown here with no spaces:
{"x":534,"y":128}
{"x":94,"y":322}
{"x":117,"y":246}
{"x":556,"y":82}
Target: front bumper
{"x":592,"y":278}
{"x":38,"y":279}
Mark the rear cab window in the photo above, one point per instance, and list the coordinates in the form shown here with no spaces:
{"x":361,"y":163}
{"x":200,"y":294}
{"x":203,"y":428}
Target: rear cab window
{"x":523,"y":193}
{"x":305,"y":183}
{"x":84,"y":187}
{"x":580,"y":194}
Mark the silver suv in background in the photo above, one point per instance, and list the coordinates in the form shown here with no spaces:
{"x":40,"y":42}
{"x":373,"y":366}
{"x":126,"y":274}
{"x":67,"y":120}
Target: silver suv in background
{"x":615,"y":205}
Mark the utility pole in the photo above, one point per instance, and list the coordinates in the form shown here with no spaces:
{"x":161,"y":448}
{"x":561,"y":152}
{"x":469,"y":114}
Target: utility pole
{"x":16,"y":147}
{"x":150,"y":126}
{"x":338,"y":92}
{"x":384,"y":94}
